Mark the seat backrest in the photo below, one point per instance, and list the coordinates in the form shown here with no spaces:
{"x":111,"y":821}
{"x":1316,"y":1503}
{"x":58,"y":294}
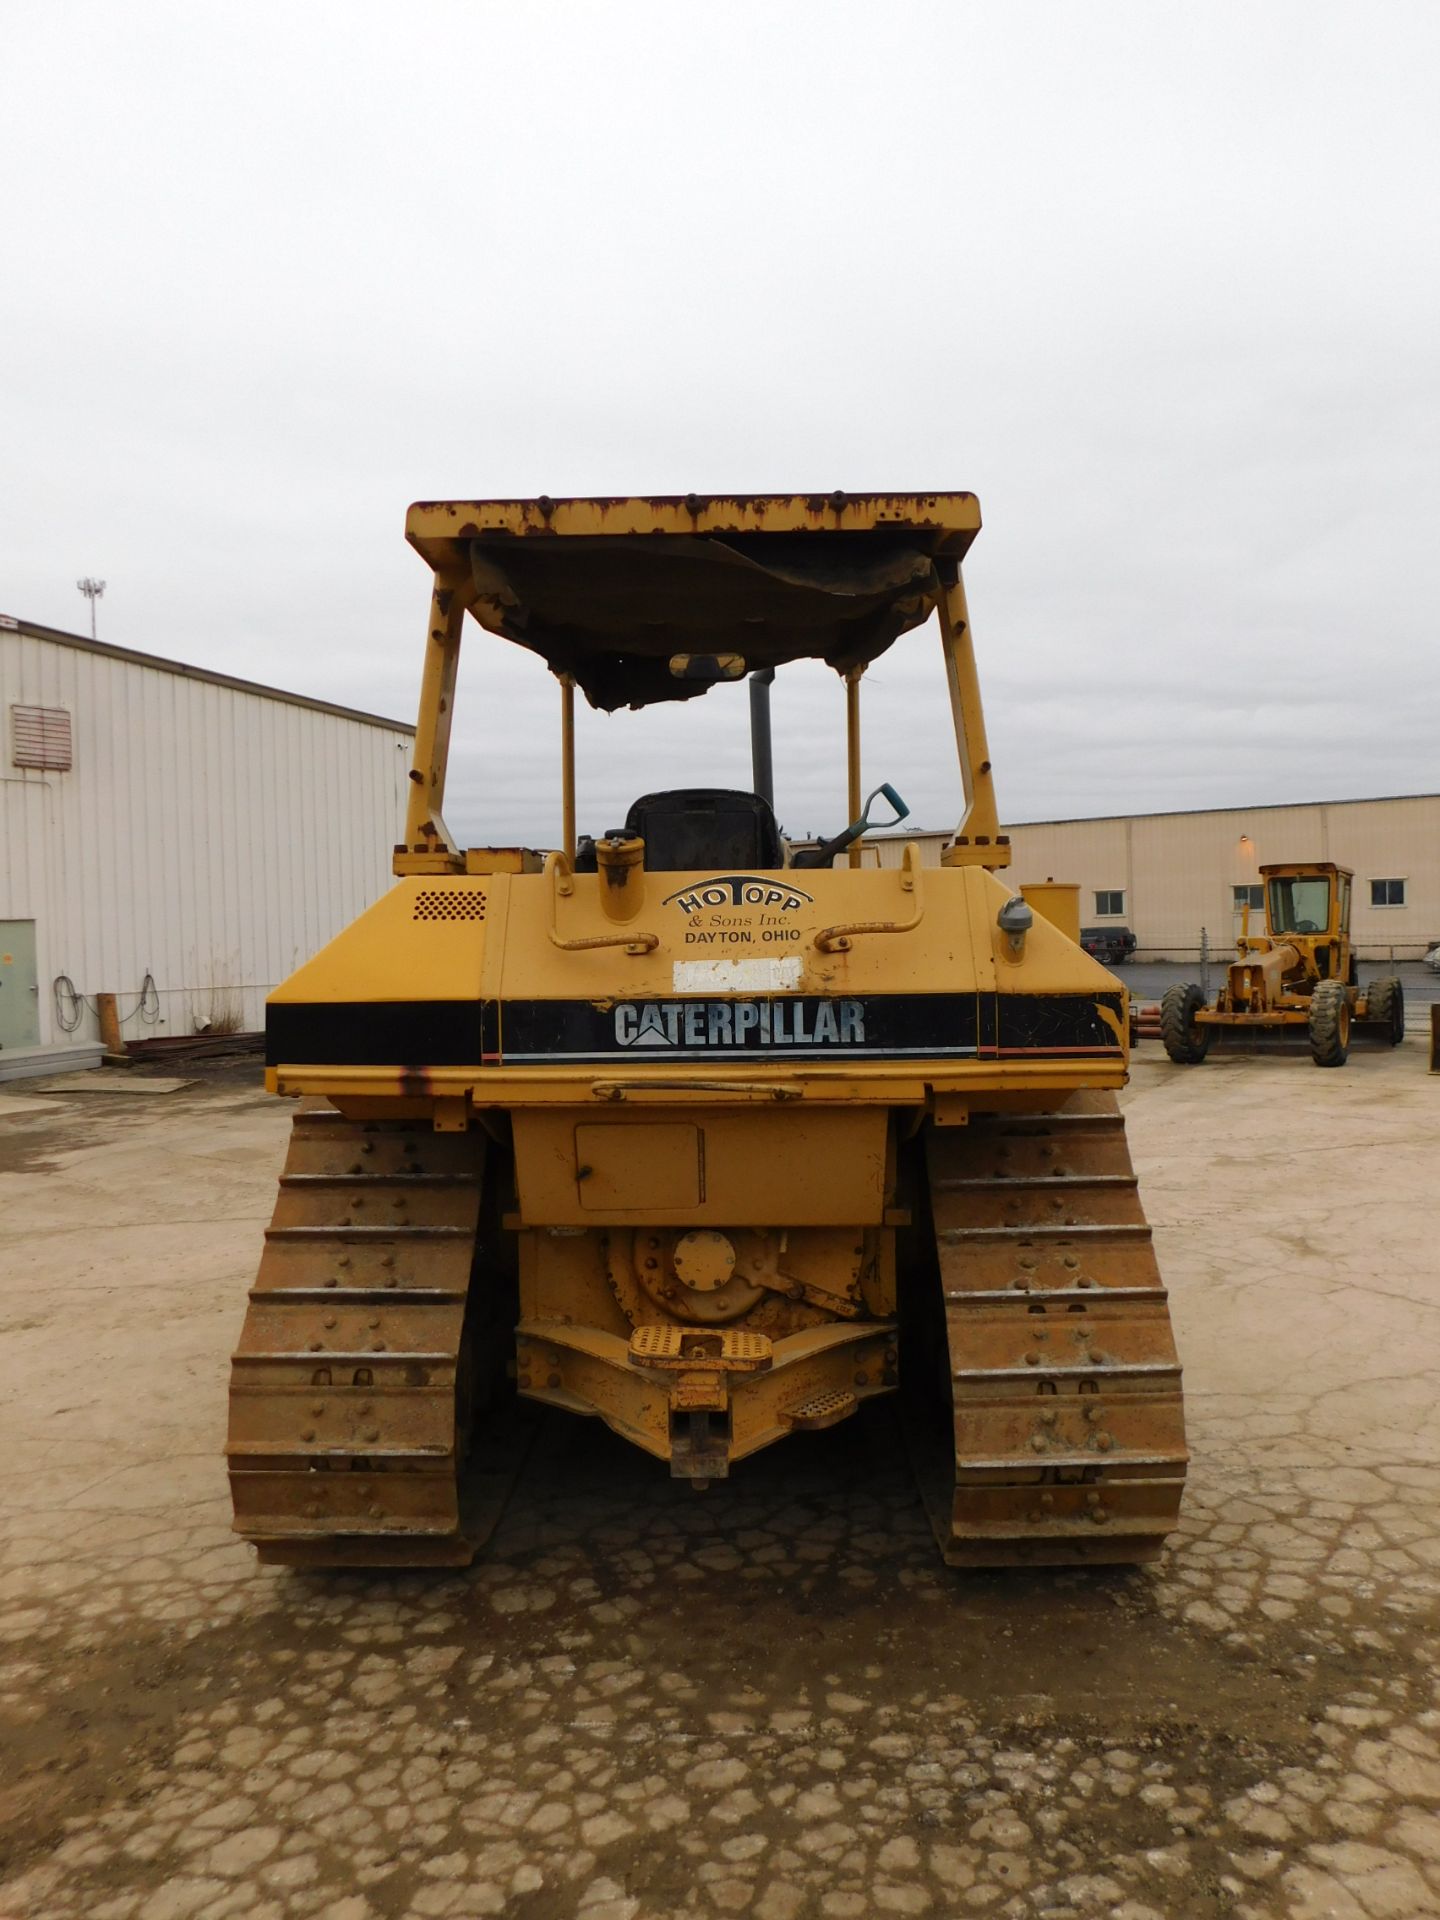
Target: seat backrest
{"x":693,"y":827}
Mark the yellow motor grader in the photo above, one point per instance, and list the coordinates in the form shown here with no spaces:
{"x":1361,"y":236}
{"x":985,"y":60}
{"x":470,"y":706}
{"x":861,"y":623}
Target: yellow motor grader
{"x":687,"y":1131}
{"x":1300,"y":973}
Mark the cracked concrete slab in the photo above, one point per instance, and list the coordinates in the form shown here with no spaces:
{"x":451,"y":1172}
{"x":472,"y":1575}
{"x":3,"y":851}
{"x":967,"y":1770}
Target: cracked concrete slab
{"x":770,"y":1700}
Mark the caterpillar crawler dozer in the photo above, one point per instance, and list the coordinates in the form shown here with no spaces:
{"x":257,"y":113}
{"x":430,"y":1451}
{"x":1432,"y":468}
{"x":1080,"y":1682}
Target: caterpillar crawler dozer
{"x":692,"y":1132}
{"x":1300,"y":974}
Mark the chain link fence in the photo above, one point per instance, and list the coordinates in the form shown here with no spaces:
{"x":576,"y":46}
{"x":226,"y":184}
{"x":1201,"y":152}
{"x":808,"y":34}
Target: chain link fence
{"x":1214,"y":949}
{"x":1150,"y":970}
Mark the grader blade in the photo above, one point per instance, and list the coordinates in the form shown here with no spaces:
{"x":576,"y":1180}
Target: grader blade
{"x":1069,"y":1435}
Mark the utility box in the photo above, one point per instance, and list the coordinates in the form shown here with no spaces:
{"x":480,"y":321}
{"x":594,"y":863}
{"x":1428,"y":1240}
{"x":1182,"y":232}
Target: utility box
{"x":1057,"y":901}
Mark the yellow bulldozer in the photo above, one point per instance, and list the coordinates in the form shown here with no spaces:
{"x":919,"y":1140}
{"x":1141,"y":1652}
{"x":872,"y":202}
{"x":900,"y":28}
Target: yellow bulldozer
{"x":1300,"y":974}
{"x":683,"y":1129}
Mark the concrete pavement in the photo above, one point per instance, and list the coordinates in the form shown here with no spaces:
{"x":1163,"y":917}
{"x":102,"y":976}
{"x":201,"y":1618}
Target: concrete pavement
{"x":768,"y":1700}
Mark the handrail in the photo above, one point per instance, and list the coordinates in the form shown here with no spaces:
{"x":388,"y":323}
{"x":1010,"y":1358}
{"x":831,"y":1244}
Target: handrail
{"x":837,"y":939}
{"x":741,"y":1089}
{"x":562,"y":885}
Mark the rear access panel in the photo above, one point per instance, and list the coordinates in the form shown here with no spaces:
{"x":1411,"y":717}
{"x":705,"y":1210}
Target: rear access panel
{"x":703,"y":1165}
{"x":653,"y":1164}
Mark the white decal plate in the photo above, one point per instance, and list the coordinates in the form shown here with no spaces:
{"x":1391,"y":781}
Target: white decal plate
{"x":738,"y":976}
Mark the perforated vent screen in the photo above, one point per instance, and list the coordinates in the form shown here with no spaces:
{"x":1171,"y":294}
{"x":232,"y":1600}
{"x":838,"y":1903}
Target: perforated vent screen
{"x":455,"y":903}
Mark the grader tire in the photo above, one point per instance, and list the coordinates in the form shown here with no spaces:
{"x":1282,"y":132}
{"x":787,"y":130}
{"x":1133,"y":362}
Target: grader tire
{"x":1330,"y":1024}
{"x":1185,"y":1042}
{"x":1387,"y":1009}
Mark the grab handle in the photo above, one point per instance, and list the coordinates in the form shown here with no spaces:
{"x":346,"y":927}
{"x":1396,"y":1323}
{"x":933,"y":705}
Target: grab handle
{"x":562,"y":885}
{"x":837,"y":939}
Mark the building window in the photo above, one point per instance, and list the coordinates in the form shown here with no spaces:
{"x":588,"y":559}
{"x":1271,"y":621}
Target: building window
{"x":41,"y":737}
{"x":1112,"y":901}
{"x":1252,"y":897}
{"x":1387,"y":893}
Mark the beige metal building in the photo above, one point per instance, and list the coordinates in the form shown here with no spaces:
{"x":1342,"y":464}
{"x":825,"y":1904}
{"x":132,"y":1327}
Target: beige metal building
{"x":176,"y":837}
{"x":1167,"y":876}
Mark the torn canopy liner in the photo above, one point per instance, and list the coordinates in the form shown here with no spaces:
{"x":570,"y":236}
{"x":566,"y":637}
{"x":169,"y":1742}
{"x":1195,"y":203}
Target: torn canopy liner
{"x":612,"y":611}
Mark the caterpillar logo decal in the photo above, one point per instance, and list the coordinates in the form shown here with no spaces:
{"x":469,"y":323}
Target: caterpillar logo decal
{"x":694,"y":1024}
{"x":739,"y":890}
{"x":709,"y":1027}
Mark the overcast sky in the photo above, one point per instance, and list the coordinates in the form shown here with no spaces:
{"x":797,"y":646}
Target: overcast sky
{"x":1160,"y":284}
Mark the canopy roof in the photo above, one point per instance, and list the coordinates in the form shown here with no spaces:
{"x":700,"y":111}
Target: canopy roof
{"x":1300,"y":868}
{"x":613,"y":591}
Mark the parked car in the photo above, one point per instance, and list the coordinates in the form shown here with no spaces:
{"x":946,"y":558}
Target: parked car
{"x":1432,"y":959}
{"x":1111,"y":946}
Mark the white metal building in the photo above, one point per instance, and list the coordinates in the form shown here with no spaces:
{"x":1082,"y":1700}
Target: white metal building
{"x":177,"y":837}
{"x":1170,"y":876}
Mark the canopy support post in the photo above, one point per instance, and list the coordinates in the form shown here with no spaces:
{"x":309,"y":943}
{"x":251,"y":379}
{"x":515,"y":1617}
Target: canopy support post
{"x":978,"y":840}
{"x":425,"y":829}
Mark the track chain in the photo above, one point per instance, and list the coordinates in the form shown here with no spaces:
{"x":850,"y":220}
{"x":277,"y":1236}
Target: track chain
{"x":348,"y":1405}
{"x":1069,"y":1424}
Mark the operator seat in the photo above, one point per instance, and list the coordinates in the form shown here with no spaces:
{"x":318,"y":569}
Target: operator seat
{"x":692,"y":827}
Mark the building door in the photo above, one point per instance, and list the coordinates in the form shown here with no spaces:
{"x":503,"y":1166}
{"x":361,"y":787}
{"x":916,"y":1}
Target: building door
{"x":19,"y":985}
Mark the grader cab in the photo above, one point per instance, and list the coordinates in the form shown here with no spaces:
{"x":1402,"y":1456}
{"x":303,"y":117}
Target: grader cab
{"x":1299,"y":975}
{"x":683,"y":1133}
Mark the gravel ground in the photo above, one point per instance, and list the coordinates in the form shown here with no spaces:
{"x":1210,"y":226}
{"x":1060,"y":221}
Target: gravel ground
{"x":769,"y":1700}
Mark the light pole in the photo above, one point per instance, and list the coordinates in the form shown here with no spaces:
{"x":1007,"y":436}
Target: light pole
{"x":92,"y":590}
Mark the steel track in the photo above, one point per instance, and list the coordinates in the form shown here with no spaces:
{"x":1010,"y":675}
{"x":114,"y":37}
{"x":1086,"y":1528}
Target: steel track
{"x":1069,"y":1435}
{"x":349,"y":1399}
